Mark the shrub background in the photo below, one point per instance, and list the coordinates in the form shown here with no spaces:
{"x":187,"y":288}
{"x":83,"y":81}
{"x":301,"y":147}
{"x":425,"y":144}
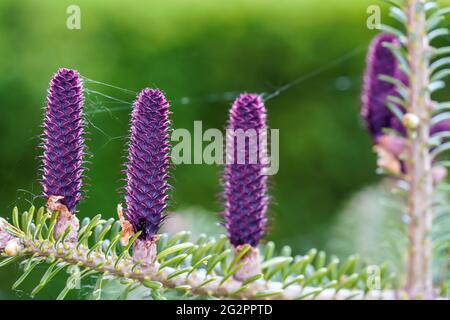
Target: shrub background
{"x":201,"y":53}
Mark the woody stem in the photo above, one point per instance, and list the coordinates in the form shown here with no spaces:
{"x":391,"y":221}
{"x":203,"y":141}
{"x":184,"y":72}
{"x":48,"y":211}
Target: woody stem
{"x":419,"y":208}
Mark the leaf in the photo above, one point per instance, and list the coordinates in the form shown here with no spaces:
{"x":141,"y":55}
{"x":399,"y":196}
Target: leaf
{"x":430,"y":5}
{"x":440,"y":75}
{"x":63,"y":236}
{"x":53,"y":221}
{"x":316,"y":276}
{"x":62,"y":295}
{"x":239,"y":290}
{"x":441,"y":51}
{"x":177,"y":273}
{"x":199,"y":263}
{"x":97,"y":292}
{"x":15,"y":217}
{"x":116,"y":229}
{"x":183,"y":288}
{"x":111,"y":248}
{"x":202,"y":251}
{"x":349,"y":283}
{"x":209,"y":280}
{"x":441,"y":107}
{"x":100,"y":234}
{"x":173,"y":249}
{"x":29,"y":219}
{"x":9,"y":228}
{"x":440,"y":13}
{"x":83,"y":239}
{"x":395,"y":110}
{"x":243,"y":251}
{"x":26,"y":273}
{"x":270,"y":248}
{"x":156,"y":295}
{"x":173,"y":261}
{"x":439,"y":117}
{"x":154,"y":285}
{"x":313,"y":292}
{"x":331,"y":284}
{"x":94,"y":247}
{"x":200,"y":240}
{"x":23,"y":221}
{"x":286,"y":251}
{"x":275,"y":265}
{"x":320,"y":260}
{"x":268,"y":293}
{"x":299,"y":265}
{"x":394,"y":3}
{"x":127,"y":247}
{"x":219,"y":247}
{"x":232,"y":272}
{"x":91,"y":225}
{"x":399,"y":34}
{"x":74,"y":279}
{"x":253,"y":279}
{"x":48,"y":276}
{"x":440,"y":149}
{"x":349,"y":266}
{"x":432,"y":23}
{"x":439,"y":64}
{"x":401,"y":88}
{"x":436,"y":85}
{"x":333,"y":268}
{"x":181,"y":236}
{"x":300,"y":279}
{"x":40,"y":215}
{"x":398,"y":14}
{"x":130,"y":288}
{"x":401,"y":59}
{"x":217,"y":259}
{"x":40,"y":223}
{"x":274,"y":262}
{"x":8,"y":260}
{"x":398,"y":101}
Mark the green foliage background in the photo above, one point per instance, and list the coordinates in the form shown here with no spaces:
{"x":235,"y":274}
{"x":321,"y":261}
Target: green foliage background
{"x":201,"y":53}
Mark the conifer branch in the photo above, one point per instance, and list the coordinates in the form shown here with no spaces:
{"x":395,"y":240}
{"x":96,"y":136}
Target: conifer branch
{"x":204,"y":268}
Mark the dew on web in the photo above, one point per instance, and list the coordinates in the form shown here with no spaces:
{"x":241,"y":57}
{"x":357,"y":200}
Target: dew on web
{"x":315,"y":72}
{"x":99,"y":102}
{"x":111,"y":104}
{"x":25,"y":195}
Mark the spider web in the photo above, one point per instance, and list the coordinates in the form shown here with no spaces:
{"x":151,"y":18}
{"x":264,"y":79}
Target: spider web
{"x":99,"y":102}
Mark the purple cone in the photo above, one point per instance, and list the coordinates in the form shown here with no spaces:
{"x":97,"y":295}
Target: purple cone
{"x":148,"y":163}
{"x":246,"y":198}
{"x":380,"y":61}
{"x":63,"y":138}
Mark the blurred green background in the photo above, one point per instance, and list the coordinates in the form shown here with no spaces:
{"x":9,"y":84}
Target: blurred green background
{"x":202,"y":53}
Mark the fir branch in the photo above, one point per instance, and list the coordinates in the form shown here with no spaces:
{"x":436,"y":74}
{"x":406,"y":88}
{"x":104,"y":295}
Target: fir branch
{"x":203,"y":268}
